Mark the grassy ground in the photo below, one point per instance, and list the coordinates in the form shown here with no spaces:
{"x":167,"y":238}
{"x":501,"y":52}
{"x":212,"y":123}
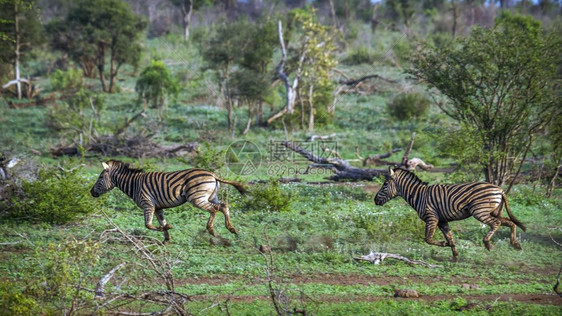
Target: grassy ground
{"x":313,"y":241}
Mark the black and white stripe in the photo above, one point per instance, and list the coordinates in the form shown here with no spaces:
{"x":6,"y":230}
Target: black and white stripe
{"x":155,"y":191}
{"x":439,"y":204}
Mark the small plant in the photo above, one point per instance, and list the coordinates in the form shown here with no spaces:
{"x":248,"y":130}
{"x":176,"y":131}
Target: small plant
{"x":155,"y":84}
{"x":268,"y":198}
{"x":56,"y":197}
{"x":408,"y":105}
{"x":209,"y":157}
{"x":70,"y":80}
{"x":360,"y":55}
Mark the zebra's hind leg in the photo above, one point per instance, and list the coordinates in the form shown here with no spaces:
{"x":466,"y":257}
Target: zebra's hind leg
{"x":225,"y":210}
{"x":444,"y":227}
{"x":204,"y":204}
{"x":165,"y":226}
{"x":513,"y":237}
{"x":494,"y":224}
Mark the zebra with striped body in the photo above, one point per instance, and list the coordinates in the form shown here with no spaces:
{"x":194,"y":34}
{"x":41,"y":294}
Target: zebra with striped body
{"x":155,"y":191}
{"x":439,"y":204}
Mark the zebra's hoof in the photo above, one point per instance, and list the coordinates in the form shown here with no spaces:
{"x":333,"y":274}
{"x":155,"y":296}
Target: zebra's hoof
{"x":517,"y":246}
{"x":488,"y":246}
{"x":168,"y":226}
{"x":166,"y":241}
{"x":233,"y":230}
{"x":455,"y":259}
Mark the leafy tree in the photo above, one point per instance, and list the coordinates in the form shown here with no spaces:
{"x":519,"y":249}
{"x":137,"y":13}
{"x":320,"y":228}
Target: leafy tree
{"x":20,"y":32}
{"x":502,"y":82}
{"x":100,"y":31}
{"x":313,"y":50}
{"x":187,"y":7}
{"x":155,"y":83}
{"x":240,"y":53}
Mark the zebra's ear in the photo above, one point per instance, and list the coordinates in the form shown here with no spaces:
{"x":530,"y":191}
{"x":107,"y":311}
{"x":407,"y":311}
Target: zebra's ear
{"x":391,"y":171}
{"x":105,"y":166}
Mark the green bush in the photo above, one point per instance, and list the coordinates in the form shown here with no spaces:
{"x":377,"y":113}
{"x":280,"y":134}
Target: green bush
{"x":69,"y":80}
{"x":360,"y":55}
{"x":14,"y":301}
{"x":408,"y":105}
{"x":267,"y":198}
{"x":55,"y":197}
{"x":209,"y":157}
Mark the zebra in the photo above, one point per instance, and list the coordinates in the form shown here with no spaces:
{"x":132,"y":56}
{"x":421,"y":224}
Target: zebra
{"x":155,"y":191}
{"x":439,"y":204}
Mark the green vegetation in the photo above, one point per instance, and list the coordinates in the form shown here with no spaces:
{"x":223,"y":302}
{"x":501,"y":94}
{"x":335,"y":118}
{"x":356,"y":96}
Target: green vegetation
{"x":218,"y":79}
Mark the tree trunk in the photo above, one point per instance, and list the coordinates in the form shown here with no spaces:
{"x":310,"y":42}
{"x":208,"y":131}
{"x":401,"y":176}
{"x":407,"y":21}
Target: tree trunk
{"x":187,"y":10}
{"x":18,"y":44}
{"x":311,"y":109}
{"x":455,"y":17}
{"x":112,"y":70}
{"x":101,"y":64}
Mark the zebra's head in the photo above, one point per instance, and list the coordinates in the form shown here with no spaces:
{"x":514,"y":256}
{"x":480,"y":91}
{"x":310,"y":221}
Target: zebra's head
{"x":104,"y":183}
{"x":388,"y":190}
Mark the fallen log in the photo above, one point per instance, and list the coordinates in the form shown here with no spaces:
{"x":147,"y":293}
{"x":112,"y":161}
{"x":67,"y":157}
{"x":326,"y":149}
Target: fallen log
{"x":135,"y":146}
{"x":342,"y":169}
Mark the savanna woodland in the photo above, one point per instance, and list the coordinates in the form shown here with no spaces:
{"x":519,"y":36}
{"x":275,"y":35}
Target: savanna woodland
{"x":289,"y":127}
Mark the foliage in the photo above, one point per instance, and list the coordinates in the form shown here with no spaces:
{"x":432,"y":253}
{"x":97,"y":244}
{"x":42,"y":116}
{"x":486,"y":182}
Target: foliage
{"x":241,"y":52}
{"x":70,"y":80}
{"x":79,"y":117}
{"x":155,"y":83}
{"x":360,"y":55}
{"x":14,"y":301}
{"x":463,"y":145}
{"x":312,"y":52}
{"x":94,"y":30}
{"x":267,"y":197}
{"x":406,"y":106}
{"x":500,"y":81}
{"x":55,"y":197}
{"x":209,"y":157}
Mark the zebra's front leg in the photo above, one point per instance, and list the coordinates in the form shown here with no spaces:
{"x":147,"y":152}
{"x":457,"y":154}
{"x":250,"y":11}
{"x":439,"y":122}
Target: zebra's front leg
{"x":430,"y":227}
{"x":444,"y":227}
{"x":163,"y":225}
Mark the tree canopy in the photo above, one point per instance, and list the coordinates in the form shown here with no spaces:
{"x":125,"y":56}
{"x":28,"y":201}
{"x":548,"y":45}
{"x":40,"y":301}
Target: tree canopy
{"x":94,"y":31}
{"x":501,"y":82}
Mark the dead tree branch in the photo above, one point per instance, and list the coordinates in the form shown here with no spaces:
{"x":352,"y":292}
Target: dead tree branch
{"x":343,"y":169}
{"x":377,"y":257}
{"x":355,"y":82}
{"x":100,"y":287}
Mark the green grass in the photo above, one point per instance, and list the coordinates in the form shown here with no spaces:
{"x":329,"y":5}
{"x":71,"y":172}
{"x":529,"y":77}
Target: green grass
{"x":325,"y":226}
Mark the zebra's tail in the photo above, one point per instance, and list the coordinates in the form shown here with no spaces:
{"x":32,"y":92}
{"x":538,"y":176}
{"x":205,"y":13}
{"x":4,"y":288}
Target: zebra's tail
{"x":235,"y":184}
{"x":513,"y":218}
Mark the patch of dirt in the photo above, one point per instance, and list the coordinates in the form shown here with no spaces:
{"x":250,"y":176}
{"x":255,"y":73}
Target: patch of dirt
{"x":334,"y":279}
{"x":542,"y":299}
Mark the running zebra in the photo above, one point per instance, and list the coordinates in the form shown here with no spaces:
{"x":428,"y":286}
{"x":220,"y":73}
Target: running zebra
{"x":155,"y":191}
{"x":439,"y":204}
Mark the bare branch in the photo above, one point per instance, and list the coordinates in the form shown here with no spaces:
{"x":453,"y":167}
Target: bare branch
{"x":378,"y":257}
{"x":100,"y":287}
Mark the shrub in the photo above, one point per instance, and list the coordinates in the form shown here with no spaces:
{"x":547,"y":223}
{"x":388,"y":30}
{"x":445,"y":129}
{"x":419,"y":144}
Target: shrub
{"x":14,"y":301}
{"x":209,"y":157}
{"x":70,"y":80}
{"x":55,"y":197}
{"x":267,"y":197}
{"x":156,"y":83}
{"x":408,"y":105}
{"x":360,"y":55}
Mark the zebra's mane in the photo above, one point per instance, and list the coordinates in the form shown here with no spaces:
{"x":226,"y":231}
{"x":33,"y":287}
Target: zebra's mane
{"x":411,"y":176}
{"x":126,"y":167}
